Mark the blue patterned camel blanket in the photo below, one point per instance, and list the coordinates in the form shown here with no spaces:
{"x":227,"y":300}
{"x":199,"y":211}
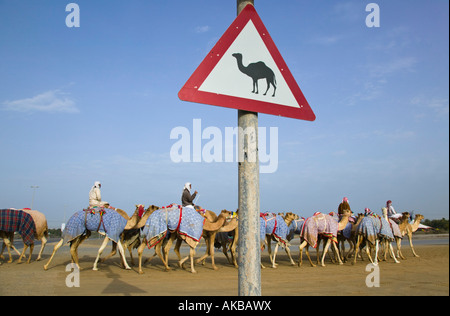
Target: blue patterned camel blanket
{"x":272,"y":224}
{"x":295,"y":228}
{"x":98,"y":219}
{"x":373,"y":227}
{"x":185,"y":220}
{"x":319,"y":224}
{"x":18,"y":221}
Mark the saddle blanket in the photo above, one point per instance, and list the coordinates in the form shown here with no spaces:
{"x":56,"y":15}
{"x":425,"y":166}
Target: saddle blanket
{"x":98,"y":219}
{"x":374,"y":227}
{"x":272,"y":224}
{"x":295,"y":228}
{"x":18,"y":221}
{"x":319,"y":224}
{"x":347,"y":231}
{"x":395,"y":228}
{"x":185,"y":220}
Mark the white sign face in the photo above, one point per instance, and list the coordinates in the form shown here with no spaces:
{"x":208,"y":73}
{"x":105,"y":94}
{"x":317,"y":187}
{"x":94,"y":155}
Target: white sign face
{"x":247,"y":70}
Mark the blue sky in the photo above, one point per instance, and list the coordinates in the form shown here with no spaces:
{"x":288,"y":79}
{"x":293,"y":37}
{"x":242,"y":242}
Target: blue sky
{"x":98,"y":102}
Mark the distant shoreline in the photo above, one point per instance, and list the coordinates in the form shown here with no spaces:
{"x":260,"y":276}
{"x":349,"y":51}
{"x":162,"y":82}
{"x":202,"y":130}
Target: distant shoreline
{"x":429,"y":236}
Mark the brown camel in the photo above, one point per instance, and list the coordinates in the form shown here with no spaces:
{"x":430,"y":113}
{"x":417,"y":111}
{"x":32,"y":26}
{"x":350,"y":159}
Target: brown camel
{"x":130,"y":237}
{"x":41,"y":228}
{"x":207,"y":225}
{"x":406,"y":228}
{"x":76,"y":242}
{"x":210,"y":237}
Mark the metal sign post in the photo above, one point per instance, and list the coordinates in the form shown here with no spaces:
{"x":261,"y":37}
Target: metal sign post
{"x":214,"y":83}
{"x":249,"y":244}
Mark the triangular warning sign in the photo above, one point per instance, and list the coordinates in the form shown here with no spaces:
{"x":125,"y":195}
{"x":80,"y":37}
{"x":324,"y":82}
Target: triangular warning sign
{"x":245,"y":71}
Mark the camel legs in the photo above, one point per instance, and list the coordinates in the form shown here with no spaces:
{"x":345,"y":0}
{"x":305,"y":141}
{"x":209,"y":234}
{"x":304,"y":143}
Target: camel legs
{"x":210,"y":251}
{"x":325,"y":251}
{"x":233,"y":247}
{"x":55,"y":249}
{"x":100,"y":251}
{"x":288,"y":251}
{"x":269,"y":249}
{"x":391,"y":249}
{"x":23,"y":253}
{"x":74,"y":244}
{"x":73,"y":250}
{"x":43,"y":243}
{"x":411,"y":245}
{"x":191,"y":256}
{"x":140,"y":251}
{"x":121,"y":252}
{"x":398,"y":240}
{"x":8,"y":243}
{"x":112,"y":253}
{"x":157,"y":251}
{"x":368,"y":250}
{"x":269,"y":82}
{"x":300,"y":260}
{"x":122,"y":255}
{"x":255,"y":86}
{"x":359,"y":240}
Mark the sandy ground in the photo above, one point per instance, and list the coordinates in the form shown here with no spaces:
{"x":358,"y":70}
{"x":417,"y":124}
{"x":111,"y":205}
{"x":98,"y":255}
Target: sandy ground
{"x":427,"y":275}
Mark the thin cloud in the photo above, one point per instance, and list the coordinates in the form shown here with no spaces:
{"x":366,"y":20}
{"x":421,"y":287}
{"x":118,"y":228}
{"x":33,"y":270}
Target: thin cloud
{"x":54,"y":101}
{"x":327,"y":40}
{"x":202,"y":29}
{"x":394,"y":66}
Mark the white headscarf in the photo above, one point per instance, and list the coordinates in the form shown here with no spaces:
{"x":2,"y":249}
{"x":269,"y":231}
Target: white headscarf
{"x":187,"y":186}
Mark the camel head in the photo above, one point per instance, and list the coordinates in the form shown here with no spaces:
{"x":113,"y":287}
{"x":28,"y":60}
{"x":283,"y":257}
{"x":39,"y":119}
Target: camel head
{"x":226,"y":214}
{"x":290,"y":215}
{"x":418,"y":218}
{"x":139,"y":209}
{"x":405,"y":216}
{"x":347,"y":212}
{"x":237,"y":56}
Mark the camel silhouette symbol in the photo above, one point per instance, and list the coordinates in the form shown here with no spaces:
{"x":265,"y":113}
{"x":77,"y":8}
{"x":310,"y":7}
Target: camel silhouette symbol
{"x":257,"y":71}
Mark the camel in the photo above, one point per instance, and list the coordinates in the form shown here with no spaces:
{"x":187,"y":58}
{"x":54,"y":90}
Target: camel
{"x":406,"y":228}
{"x":387,"y":243}
{"x":226,"y":241}
{"x":106,"y":221}
{"x":12,"y":220}
{"x":210,"y":237}
{"x":257,"y":71}
{"x":184,"y":223}
{"x":325,"y":225}
{"x":41,"y":228}
{"x":288,"y":219}
{"x":207,"y":226}
{"x":130,"y":237}
{"x":41,"y":231}
{"x":274,"y":227}
{"x":372,"y":230}
{"x":349,"y":234}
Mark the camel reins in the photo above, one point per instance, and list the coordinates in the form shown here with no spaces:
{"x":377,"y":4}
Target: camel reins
{"x":92,"y":212}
